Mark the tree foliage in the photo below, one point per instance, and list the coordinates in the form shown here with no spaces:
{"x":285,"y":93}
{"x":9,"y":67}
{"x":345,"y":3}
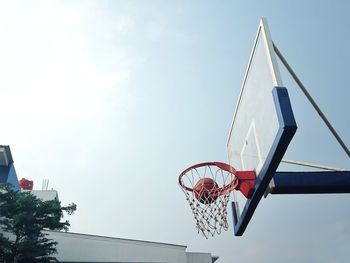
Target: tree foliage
{"x":23,"y":217}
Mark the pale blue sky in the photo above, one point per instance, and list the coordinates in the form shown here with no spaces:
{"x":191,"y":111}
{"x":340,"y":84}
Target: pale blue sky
{"x":111,"y":100}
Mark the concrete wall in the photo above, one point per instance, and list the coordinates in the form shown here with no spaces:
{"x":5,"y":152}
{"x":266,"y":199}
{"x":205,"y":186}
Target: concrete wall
{"x":45,"y":195}
{"x":199,"y":257}
{"x":88,"y":248}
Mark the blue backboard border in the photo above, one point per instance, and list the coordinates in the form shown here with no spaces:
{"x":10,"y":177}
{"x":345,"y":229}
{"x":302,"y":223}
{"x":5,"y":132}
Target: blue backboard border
{"x":286,"y":131}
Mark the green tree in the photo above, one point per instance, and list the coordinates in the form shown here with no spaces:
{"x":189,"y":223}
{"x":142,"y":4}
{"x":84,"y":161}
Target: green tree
{"x":23,"y":217}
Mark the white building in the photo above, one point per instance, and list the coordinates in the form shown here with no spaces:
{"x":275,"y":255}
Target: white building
{"x":73,"y":247}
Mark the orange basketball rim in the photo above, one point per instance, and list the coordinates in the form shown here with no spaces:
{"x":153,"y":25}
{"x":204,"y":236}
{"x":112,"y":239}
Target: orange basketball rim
{"x":207,"y":187}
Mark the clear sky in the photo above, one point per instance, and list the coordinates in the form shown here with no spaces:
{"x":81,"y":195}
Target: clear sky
{"x":111,"y":100}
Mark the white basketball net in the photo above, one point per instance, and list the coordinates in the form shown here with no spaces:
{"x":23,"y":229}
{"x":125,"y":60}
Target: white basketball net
{"x":210,"y":215}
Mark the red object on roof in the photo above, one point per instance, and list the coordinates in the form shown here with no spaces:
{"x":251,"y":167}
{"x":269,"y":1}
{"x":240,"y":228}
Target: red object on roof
{"x":26,"y":184}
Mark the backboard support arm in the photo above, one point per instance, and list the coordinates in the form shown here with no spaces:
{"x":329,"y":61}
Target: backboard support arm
{"x":315,"y":182}
{"x":311,"y":100}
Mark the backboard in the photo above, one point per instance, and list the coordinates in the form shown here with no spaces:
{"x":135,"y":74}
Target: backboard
{"x":262,"y":126}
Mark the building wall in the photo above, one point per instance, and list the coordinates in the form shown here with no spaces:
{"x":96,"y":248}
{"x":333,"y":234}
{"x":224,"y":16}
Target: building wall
{"x":45,"y":195}
{"x":199,"y":257}
{"x":88,"y":248}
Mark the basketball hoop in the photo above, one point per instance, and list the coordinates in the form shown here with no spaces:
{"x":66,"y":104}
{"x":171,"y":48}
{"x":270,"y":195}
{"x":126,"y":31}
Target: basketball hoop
{"x":207,"y":187}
